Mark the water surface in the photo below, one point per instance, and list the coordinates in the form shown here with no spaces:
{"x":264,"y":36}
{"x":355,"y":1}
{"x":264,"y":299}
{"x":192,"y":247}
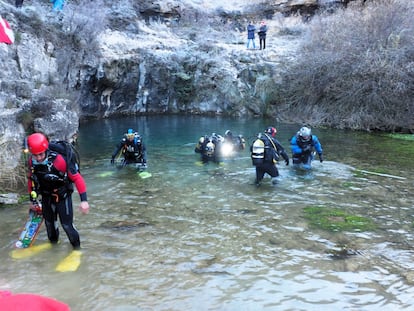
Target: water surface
{"x":196,"y":237}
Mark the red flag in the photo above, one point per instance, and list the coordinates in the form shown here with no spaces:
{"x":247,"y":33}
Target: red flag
{"x":23,"y":302}
{"x":6,"y":34}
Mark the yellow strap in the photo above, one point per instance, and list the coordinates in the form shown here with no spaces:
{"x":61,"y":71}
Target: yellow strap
{"x":271,"y":141}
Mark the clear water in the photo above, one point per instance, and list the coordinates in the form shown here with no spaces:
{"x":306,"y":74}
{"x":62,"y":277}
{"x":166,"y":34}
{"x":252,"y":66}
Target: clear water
{"x":196,"y":237}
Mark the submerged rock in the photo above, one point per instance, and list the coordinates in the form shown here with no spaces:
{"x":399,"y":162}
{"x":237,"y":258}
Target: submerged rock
{"x":9,"y":198}
{"x":124,"y":224}
{"x":342,"y":252}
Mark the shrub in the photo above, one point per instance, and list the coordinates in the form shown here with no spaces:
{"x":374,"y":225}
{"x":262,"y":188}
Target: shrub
{"x":11,"y":178}
{"x":356,"y":68}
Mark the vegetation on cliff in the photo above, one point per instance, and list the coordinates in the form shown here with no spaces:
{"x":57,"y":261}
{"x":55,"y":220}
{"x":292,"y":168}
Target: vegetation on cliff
{"x":355,"y":69}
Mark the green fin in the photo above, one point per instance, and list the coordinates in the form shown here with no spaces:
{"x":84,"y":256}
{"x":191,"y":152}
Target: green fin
{"x":21,"y":253}
{"x":144,"y":175}
{"x":70,"y":263}
{"x":105,"y":174}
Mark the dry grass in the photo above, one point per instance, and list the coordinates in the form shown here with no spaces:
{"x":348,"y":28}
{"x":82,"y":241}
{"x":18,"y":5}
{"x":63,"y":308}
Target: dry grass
{"x":356,"y":68}
{"x":11,"y":177}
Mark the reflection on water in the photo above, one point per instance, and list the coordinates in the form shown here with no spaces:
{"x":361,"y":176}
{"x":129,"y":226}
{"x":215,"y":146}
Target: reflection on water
{"x":197,"y":237}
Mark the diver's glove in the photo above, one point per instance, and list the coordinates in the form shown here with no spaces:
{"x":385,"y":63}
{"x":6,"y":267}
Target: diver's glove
{"x":287,"y":162}
{"x":112,"y":160}
{"x":320,"y":157}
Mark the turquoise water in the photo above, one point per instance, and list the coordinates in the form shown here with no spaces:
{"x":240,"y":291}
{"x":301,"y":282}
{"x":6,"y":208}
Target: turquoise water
{"x":194,"y":237}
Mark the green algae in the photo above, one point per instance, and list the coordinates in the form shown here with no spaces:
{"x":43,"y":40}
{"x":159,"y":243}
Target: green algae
{"x":335,"y":219}
{"x":401,"y":136}
{"x":347,"y":184}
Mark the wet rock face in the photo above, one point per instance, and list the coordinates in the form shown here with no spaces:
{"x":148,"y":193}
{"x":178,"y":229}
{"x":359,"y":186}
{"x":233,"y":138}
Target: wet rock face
{"x":159,"y":85}
{"x":59,"y":123}
{"x":161,"y":11}
{"x":9,"y":198}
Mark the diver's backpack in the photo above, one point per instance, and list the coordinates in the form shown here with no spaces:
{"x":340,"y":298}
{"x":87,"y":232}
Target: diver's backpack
{"x":258,"y":152}
{"x":69,"y":153}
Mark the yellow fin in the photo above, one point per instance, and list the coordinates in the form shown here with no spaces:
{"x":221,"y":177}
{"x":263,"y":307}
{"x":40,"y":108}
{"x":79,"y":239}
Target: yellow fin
{"x":21,"y":253}
{"x":70,"y":263}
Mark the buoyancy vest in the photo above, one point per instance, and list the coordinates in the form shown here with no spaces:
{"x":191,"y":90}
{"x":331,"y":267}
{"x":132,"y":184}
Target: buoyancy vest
{"x":304,"y":145}
{"x":132,"y":149}
{"x":47,"y":178}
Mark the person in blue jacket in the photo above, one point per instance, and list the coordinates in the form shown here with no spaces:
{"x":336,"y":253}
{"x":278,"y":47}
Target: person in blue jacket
{"x":250,"y":34}
{"x":57,"y":5}
{"x":303,"y":145}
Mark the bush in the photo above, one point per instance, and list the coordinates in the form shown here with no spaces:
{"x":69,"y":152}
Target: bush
{"x":11,"y":177}
{"x":356,"y":68}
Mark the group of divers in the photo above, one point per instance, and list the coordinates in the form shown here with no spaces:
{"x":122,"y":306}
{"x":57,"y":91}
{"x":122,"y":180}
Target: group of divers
{"x":52,"y":173}
{"x":53,"y":169}
{"x":265,"y":150}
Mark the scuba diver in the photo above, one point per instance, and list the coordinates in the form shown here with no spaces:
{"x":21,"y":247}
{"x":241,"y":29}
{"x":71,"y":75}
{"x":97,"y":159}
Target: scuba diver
{"x":210,"y":147}
{"x":52,"y":175}
{"x":303,"y":145}
{"x":238,"y":142}
{"x":265,"y":153}
{"x":133,"y":149}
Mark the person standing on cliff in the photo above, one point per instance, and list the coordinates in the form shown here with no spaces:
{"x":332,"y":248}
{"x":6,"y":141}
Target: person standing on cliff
{"x":18,"y":3}
{"x":262,"y":34}
{"x":57,"y":5}
{"x":250,"y":34}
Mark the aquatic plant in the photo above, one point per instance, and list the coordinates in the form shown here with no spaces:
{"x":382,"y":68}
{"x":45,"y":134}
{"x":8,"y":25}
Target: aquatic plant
{"x":401,"y":136}
{"x":335,"y":219}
